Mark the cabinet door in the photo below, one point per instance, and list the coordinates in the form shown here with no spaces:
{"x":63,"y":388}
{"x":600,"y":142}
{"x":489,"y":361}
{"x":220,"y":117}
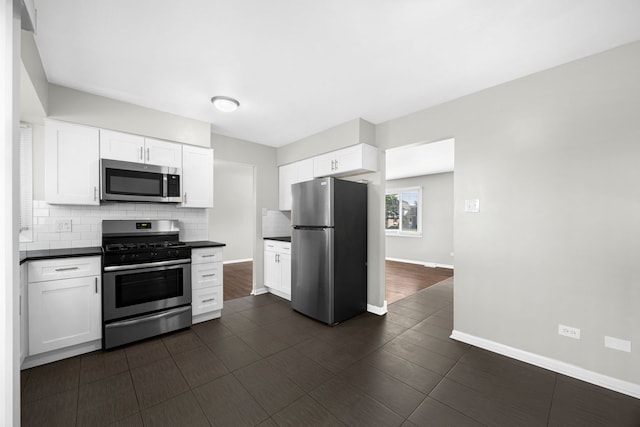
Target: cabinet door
{"x":63,"y":313}
{"x":305,"y":170}
{"x":121,"y":146}
{"x":348,"y":159}
{"x":72,"y":164}
{"x":288,"y":175}
{"x":163,"y":153}
{"x":197,"y":177}
{"x":285,"y":273}
{"x":323,"y":165}
{"x":271,"y":270}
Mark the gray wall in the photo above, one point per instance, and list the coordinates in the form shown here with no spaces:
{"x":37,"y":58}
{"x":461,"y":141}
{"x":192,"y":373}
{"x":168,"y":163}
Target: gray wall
{"x":344,"y":135}
{"x":263,"y":159}
{"x":81,"y":107}
{"x":233,"y":213}
{"x":436,"y":244}
{"x":553,"y":158}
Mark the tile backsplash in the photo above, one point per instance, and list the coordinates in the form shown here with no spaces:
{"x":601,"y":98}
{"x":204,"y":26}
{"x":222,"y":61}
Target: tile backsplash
{"x":86,"y":222}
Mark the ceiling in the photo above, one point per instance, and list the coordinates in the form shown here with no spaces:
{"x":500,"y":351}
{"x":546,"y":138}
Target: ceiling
{"x":301,"y":66}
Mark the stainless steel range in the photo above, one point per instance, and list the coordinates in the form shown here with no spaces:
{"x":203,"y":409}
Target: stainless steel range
{"x":146,"y":280}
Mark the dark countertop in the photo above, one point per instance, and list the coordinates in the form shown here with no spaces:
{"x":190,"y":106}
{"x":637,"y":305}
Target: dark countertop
{"x":92,"y":251}
{"x":59,"y":253}
{"x":205,"y":244}
{"x":279,"y":239}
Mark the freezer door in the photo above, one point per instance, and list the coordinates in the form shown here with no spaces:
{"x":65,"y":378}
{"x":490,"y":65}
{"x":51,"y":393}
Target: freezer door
{"x":312,"y":287}
{"x":312,"y":203}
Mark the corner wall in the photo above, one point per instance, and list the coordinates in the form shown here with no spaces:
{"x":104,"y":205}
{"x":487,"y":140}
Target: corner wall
{"x":435,"y":246}
{"x":553,"y":158}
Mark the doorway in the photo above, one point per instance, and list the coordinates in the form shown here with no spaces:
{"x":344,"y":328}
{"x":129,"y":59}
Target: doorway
{"x":418,"y":217}
{"x":231,"y":222}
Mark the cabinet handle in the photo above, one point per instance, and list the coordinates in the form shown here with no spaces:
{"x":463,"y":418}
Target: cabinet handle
{"x":95,"y":193}
{"x":141,"y":156}
{"x":208,"y":275}
{"x":332,"y":162}
{"x":185,"y":198}
{"x":208,"y":300}
{"x":66,"y":268}
{"x":208,"y":256}
{"x":96,"y":285}
{"x":147,"y":154}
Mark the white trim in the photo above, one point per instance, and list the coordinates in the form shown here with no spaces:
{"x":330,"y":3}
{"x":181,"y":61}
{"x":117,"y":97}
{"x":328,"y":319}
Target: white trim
{"x":234,"y":261}
{"x":554,"y":365}
{"x":380,"y":311}
{"x":259,"y":291}
{"x":423,"y":263}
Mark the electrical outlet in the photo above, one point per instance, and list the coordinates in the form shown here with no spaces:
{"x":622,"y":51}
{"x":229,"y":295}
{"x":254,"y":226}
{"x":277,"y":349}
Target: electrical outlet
{"x":472,"y":205}
{"x":63,"y":225}
{"x":569,"y":331}
{"x":617,"y":344}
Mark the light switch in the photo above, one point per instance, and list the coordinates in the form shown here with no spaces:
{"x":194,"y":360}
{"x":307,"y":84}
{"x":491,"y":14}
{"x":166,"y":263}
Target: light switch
{"x":472,"y":205}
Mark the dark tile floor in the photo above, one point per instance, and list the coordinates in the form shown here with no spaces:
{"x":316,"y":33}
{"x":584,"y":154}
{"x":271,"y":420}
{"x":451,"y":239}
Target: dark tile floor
{"x":263,"y":364}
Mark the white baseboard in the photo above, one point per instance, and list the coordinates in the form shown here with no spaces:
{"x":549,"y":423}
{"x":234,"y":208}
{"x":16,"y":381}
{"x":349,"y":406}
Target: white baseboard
{"x":234,"y":261}
{"x":554,"y":365}
{"x":380,"y":311}
{"x":423,"y":263}
{"x":259,"y":291}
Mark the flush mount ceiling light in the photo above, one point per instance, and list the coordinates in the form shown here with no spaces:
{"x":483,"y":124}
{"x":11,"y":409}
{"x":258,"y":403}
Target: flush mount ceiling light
{"x":225,"y":103}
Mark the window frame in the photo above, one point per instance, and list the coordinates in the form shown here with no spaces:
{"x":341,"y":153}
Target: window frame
{"x":400,"y":231}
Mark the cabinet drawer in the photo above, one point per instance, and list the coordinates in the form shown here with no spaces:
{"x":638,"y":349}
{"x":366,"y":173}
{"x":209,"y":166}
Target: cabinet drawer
{"x":203,"y":255}
{"x":207,"y":274}
{"x":277,"y":246}
{"x":63,"y":268}
{"x":206,"y":300}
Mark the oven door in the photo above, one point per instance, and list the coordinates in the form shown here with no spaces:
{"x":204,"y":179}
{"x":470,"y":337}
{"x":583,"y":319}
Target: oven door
{"x":133,"y":290}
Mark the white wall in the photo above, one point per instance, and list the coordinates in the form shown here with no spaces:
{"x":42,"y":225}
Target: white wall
{"x":9,"y":194}
{"x":553,"y":158}
{"x":233,"y":213}
{"x":436,"y":243}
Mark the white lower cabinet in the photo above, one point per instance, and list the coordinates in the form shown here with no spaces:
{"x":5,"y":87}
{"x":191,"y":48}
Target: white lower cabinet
{"x":277,"y":268}
{"x":64,"y":304}
{"x":206,"y":283}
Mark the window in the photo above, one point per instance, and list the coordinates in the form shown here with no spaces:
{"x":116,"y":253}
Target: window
{"x":404,"y":212}
{"x":26,"y":188}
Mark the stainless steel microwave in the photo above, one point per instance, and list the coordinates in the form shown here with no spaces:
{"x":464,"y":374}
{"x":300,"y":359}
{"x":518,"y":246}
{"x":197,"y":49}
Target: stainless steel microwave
{"x":139,"y":182}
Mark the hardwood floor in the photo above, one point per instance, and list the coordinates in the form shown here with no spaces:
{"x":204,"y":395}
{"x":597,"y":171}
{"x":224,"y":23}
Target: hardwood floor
{"x":402,"y":279}
{"x":237,"y":280}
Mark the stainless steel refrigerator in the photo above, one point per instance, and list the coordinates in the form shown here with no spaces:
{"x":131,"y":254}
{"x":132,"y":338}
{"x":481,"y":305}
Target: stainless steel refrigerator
{"x":329,"y":249}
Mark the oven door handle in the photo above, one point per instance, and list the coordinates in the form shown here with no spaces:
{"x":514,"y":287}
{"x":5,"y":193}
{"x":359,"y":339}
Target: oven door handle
{"x":148,"y":318}
{"x":147,"y":265}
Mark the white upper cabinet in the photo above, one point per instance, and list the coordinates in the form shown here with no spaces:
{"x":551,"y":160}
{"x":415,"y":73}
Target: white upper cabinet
{"x":121,"y":146}
{"x":72,"y":164}
{"x":163,"y":153}
{"x":359,"y":158}
{"x":134,"y":148}
{"x":289,"y":175}
{"x":197,"y":177}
